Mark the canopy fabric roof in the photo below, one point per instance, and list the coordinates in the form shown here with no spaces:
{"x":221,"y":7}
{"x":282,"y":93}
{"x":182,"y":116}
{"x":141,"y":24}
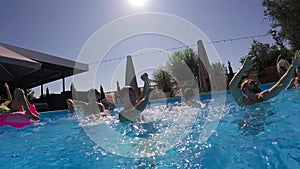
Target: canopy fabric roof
{"x":13,"y":66}
{"x":47,"y":68}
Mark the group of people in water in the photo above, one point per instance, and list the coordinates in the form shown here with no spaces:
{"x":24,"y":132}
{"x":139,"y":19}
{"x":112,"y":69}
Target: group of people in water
{"x":98,"y":104}
{"x":248,"y":92}
{"x":133,"y":105}
{"x":245,"y":93}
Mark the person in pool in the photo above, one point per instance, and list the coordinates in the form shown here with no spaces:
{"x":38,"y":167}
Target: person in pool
{"x":91,"y":107}
{"x":250,"y":93}
{"x":134,"y":106}
{"x":4,"y":106}
{"x":190,"y":100}
{"x":21,"y":103}
{"x":282,"y":66}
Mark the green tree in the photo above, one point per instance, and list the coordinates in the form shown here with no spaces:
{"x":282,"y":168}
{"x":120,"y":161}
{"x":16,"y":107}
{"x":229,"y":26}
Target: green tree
{"x":181,"y":69}
{"x":266,"y":54}
{"x":182,"y":64}
{"x":218,"y":67}
{"x":285,"y":18}
{"x":163,"y":80}
{"x":29,"y":94}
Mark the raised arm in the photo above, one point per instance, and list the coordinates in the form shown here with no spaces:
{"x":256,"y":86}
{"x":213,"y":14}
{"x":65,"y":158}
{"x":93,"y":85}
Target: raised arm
{"x":25,"y":103}
{"x":103,"y":110}
{"x":75,"y":103}
{"x":234,"y":83}
{"x":7,"y":102}
{"x":283,"y":81}
{"x":134,"y":114}
{"x":143,"y":99}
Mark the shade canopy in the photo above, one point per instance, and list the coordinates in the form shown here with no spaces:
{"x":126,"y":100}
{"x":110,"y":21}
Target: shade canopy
{"x":26,"y":68}
{"x":14,"y":66}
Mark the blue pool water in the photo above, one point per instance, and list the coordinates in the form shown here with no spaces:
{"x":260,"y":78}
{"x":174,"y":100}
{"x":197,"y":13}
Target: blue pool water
{"x":262,"y":136}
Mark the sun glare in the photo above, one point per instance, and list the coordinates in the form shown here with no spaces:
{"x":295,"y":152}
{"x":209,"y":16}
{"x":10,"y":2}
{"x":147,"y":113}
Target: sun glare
{"x":138,"y":3}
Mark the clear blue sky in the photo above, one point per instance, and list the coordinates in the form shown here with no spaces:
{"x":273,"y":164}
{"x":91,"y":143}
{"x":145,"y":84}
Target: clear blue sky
{"x":61,"y":28}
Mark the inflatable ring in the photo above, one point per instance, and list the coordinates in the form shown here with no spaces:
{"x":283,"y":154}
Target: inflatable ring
{"x":18,"y":119}
{"x":4,"y":108}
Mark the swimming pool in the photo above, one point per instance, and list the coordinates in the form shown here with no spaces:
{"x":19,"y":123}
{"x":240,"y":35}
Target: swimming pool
{"x":262,"y":136}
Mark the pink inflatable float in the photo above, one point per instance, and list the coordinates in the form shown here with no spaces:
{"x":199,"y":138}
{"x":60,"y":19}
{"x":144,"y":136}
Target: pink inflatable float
{"x":18,"y":119}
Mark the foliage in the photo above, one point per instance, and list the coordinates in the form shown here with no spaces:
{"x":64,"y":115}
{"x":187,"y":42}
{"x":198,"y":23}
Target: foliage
{"x":285,"y":17}
{"x":266,"y":55}
{"x":163,"y":79}
{"x":182,"y":67}
{"x":182,"y":64}
{"x":218,"y":67}
{"x":29,"y":94}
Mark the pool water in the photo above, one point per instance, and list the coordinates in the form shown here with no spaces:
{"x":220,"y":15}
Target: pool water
{"x":266,"y":135}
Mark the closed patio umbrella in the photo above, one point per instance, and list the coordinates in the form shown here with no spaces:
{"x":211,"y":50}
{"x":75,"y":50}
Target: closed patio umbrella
{"x":14,"y":66}
{"x":130,"y":76}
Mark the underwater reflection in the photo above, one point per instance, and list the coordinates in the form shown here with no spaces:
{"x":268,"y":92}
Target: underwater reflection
{"x":255,"y":118}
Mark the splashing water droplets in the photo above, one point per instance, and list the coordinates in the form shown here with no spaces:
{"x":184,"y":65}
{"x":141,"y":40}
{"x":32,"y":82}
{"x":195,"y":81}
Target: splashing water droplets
{"x":168,"y":126}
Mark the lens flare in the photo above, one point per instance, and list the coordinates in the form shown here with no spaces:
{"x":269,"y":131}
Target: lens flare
{"x":138,"y":3}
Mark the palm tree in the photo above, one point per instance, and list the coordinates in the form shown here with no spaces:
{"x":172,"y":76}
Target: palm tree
{"x":163,"y":80}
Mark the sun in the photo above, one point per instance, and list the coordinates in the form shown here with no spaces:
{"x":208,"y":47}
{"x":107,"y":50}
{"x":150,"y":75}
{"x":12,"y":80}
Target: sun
{"x":138,"y":3}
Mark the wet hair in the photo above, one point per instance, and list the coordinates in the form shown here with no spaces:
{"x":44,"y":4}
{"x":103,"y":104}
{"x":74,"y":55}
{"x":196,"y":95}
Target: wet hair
{"x":282,"y":66}
{"x":19,"y":93}
{"x":188,"y":93}
{"x":143,"y":76}
{"x":245,"y":84}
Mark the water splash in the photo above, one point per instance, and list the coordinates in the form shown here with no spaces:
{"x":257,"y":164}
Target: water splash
{"x":167,"y":126}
